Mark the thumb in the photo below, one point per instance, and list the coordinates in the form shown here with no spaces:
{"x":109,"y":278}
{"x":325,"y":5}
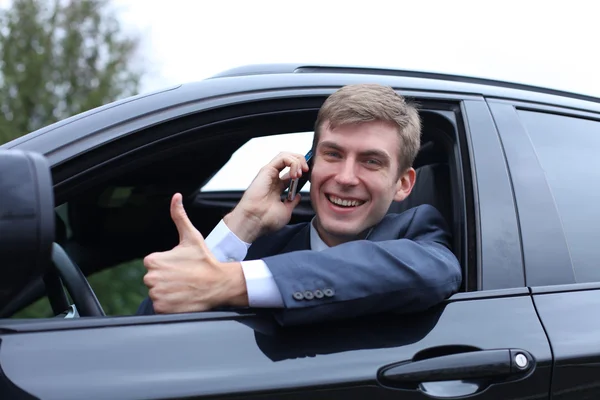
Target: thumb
{"x":186,"y":229}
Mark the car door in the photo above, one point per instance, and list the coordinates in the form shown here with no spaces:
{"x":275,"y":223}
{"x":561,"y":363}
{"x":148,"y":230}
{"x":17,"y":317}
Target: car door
{"x":553,"y":159}
{"x":487,"y":343}
{"x":490,"y":345}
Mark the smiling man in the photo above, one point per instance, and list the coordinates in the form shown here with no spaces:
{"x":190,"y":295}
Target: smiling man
{"x":352,"y":259}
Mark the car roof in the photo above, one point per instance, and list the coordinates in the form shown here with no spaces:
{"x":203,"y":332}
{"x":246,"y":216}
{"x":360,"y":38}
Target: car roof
{"x":296,"y":68}
{"x":92,"y":127}
{"x":494,"y":86}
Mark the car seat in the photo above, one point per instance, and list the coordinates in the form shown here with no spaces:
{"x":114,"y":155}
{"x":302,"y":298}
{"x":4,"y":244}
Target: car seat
{"x":432,"y":186}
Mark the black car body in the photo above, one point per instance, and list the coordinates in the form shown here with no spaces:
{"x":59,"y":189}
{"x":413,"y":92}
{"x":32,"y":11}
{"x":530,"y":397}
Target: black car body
{"x":514,"y":171}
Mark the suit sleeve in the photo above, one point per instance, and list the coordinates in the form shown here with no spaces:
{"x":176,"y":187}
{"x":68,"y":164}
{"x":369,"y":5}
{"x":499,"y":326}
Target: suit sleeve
{"x":362,"y":277}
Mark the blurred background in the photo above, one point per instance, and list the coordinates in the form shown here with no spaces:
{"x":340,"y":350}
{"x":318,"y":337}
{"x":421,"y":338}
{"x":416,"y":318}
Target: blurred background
{"x":62,"y":57}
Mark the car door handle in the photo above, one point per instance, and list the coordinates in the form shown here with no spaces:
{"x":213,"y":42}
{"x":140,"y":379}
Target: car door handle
{"x":471,"y":365}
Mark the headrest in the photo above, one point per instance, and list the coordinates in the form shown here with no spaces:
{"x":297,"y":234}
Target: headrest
{"x":432,"y":186}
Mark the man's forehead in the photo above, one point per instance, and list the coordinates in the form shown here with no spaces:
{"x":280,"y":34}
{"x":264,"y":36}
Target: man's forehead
{"x":377,"y":134}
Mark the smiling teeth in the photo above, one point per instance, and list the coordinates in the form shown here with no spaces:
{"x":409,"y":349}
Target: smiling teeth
{"x":345,"y":203}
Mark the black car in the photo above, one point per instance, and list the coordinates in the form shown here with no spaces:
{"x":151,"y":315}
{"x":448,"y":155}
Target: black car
{"x":513,"y":169}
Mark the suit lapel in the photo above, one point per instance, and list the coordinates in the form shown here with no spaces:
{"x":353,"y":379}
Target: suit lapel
{"x":297,"y":238}
{"x":300,"y":241}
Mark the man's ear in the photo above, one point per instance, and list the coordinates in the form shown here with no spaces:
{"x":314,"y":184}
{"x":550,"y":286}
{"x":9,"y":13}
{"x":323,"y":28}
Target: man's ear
{"x":405,"y":183}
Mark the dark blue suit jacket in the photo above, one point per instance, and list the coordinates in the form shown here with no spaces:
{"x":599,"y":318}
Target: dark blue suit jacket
{"x":405,"y":265}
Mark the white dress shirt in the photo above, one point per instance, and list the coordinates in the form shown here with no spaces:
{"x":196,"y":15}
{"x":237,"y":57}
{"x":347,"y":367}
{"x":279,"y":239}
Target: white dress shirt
{"x":262,"y":289}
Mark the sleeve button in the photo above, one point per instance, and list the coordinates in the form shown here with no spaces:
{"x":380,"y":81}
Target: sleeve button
{"x":319,"y":294}
{"x":308,"y":295}
{"x":329,"y":292}
{"x":298,"y":296}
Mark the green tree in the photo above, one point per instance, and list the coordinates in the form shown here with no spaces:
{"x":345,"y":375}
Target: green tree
{"x":59,"y":58}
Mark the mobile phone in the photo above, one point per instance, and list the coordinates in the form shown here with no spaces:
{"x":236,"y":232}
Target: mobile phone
{"x":297,"y":184}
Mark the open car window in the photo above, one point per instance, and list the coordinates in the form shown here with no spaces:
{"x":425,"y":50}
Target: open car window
{"x":119,"y":287}
{"x":109,"y":227}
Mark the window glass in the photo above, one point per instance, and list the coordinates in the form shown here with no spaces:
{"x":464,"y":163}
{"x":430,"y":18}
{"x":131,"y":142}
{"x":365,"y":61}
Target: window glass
{"x":568,"y":150}
{"x":38,"y":309}
{"x":121,"y":289}
{"x":245,"y":163}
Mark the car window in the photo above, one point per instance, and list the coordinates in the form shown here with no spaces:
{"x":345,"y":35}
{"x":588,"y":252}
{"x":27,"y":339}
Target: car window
{"x":240,"y":170}
{"x":119,"y":289}
{"x":567,"y":149}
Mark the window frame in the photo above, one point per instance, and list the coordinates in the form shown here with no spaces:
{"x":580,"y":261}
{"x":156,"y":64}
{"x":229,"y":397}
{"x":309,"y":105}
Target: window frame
{"x":499,"y":260}
{"x":67,"y":183}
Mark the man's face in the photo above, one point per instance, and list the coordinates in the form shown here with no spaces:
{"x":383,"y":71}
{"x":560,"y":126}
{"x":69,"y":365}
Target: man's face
{"x":354,"y":179}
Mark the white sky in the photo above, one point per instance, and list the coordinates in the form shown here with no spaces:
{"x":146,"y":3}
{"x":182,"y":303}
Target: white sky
{"x":546,"y":43}
{"x":540,"y":42}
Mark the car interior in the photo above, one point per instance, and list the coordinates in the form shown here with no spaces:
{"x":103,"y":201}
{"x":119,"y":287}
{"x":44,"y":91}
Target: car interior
{"x":119,"y":210}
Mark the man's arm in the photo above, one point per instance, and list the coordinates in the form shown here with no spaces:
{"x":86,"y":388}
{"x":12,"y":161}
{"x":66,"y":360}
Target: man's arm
{"x":360,"y":277}
{"x":356,"y":278}
{"x":410,"y":274}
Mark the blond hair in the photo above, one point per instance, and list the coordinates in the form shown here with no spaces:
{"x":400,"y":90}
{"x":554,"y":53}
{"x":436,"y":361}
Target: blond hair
{"x":355,"y":104}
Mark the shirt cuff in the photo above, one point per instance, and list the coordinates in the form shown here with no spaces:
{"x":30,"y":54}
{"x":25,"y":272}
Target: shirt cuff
{"x":225,"y":245}
{"x":260,"y":285}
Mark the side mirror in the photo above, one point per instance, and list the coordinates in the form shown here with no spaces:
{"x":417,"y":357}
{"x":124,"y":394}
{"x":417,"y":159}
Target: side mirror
{"x":26,"y":220}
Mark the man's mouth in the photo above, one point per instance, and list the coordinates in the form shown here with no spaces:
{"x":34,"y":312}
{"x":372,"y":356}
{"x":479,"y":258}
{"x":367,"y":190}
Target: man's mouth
{"x":340,"y":202}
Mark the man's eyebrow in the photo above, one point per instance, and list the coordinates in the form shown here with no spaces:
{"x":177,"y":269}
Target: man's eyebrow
{"x":367,"y":153}
{"x":331,"y":145}
{"x":375,"y":153}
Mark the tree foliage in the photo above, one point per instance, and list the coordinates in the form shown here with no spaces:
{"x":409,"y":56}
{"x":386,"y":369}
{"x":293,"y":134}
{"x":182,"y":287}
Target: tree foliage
{"x":59,"y":58}
{"x":120,"y":291}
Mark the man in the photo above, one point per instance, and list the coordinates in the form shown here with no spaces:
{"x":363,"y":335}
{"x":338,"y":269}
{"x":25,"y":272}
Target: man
{"x":352,"y":259}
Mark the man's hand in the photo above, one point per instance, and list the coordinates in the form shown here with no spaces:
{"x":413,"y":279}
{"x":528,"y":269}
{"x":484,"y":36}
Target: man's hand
{"x":188,"y":278}
{"x":261,"y":210}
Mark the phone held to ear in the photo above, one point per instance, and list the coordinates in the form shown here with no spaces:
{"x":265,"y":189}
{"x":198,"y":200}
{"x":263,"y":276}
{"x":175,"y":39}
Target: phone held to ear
{"x":297,"y":184}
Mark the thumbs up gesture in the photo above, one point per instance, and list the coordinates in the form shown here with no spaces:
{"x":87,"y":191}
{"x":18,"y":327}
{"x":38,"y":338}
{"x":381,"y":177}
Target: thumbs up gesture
{"x":188,"y":278}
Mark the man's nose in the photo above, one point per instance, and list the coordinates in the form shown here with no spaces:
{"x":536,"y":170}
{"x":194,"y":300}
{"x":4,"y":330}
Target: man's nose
{"x":347,"y":174}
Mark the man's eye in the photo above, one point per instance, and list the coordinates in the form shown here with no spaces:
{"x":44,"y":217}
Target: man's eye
{"x":332,"y":154}
{"x":373,"y":162}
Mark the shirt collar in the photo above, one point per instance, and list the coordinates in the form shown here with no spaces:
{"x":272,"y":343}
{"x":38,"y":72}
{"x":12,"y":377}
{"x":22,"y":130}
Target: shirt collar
{"x":316,"y":243}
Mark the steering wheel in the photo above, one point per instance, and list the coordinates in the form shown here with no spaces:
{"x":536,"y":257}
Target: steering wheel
{"x":81,"y":292}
